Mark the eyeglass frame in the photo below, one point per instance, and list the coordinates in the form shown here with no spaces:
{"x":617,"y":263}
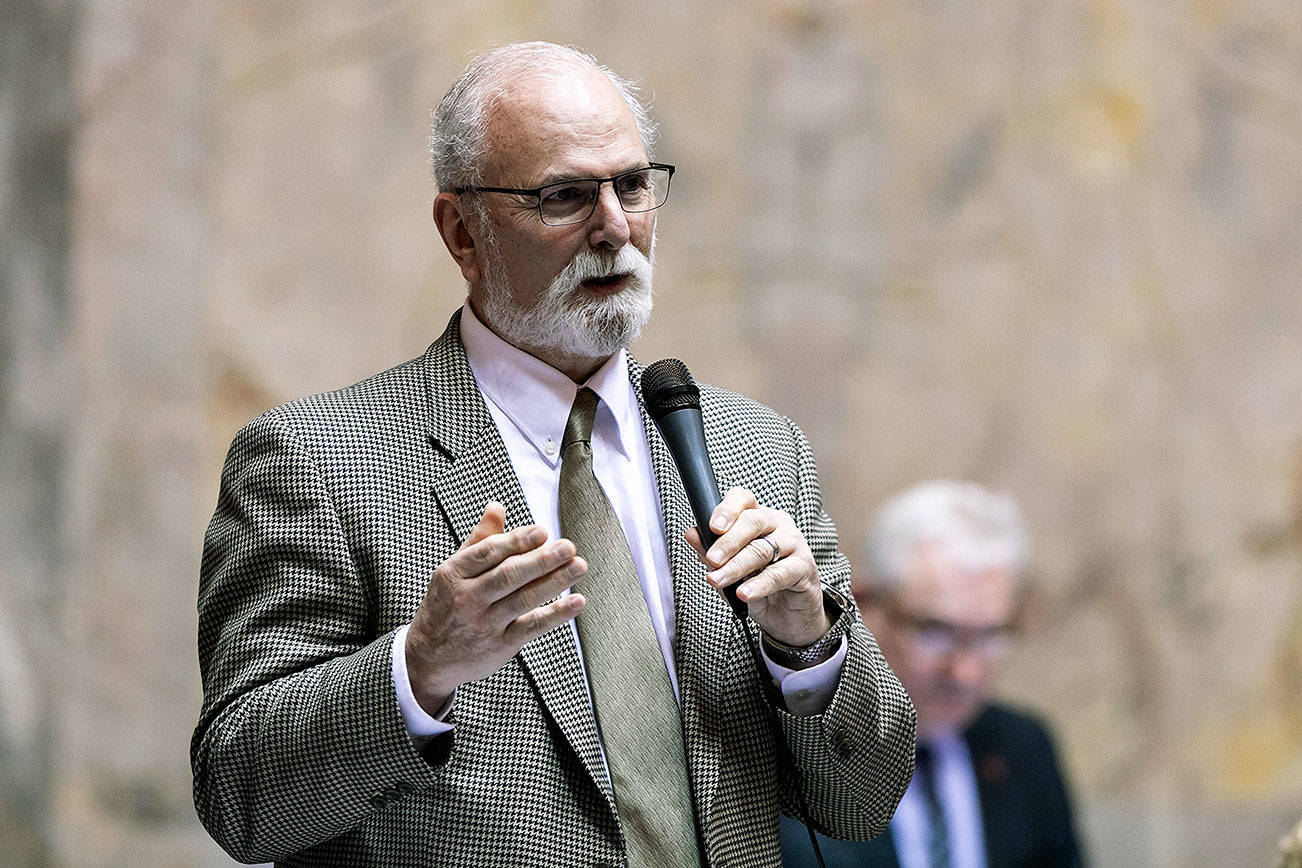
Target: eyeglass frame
{"x":987,"y":643}
{"x":536,"y":192}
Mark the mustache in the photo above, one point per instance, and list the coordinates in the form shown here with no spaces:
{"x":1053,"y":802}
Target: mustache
{"x":594,"y":264}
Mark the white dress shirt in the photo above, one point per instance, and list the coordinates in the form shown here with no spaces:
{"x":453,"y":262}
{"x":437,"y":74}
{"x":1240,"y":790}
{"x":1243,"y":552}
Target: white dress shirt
{"x":956,"y":790}
{"x":530,"y":402}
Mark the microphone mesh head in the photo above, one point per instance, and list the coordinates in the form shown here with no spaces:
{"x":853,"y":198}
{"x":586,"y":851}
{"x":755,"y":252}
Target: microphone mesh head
{"x":667,"y":385}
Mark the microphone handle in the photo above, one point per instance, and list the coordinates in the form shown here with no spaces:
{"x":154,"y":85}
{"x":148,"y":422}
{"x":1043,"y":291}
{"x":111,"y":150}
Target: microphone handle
{"x":685,"y":435}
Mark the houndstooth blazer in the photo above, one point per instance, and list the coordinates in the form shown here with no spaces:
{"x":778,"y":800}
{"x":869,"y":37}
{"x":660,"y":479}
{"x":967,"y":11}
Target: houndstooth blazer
{"x":333,"y":513}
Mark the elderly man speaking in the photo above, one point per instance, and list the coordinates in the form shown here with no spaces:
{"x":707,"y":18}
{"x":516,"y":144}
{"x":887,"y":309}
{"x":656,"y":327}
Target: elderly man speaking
{"x":459,"y":614}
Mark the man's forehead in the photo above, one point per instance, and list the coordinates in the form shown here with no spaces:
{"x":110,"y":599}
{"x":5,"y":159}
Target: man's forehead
{"x":547,"y":86}
{"x":938,"y":587}
{"x":549,"y":114}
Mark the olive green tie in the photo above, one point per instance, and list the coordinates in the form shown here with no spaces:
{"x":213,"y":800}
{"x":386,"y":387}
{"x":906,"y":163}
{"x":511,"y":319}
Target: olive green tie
{"x":631,"y":693}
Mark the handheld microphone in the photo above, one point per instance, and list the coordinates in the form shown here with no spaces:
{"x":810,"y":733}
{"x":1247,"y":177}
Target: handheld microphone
{"x":674,"y":402}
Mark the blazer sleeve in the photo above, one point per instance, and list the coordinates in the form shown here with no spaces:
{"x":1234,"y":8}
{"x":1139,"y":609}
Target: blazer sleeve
{"x":855,"y":759}
{"x":300,"y":736}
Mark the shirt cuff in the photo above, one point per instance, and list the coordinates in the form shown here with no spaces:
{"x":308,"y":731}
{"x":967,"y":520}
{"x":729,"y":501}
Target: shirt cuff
{"x":421,"y":726}
{"x":807,"y":691}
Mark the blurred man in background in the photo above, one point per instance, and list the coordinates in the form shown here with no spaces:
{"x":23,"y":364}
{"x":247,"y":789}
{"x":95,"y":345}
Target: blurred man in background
{"x":946,"y":563}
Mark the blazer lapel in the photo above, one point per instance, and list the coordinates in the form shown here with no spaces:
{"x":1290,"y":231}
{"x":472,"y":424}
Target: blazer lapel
{"x":703,"y":625}
{"x":990,"y":765}
{"x":475,"y":470}
{"x":885,"y":849}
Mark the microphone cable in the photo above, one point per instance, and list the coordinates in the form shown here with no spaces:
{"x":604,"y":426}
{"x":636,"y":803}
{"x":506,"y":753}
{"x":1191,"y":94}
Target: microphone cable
{"x":784,"y":754}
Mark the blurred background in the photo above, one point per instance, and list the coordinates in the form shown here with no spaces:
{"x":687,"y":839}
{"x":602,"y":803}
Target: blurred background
{"x":1054,"y":247}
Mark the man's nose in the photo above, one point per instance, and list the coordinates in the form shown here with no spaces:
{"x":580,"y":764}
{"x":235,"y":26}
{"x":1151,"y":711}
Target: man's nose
{"x":608,"y":225}
{"x":967,"y":666}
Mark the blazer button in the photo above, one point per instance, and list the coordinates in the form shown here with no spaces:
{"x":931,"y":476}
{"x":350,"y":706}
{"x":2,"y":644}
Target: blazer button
{"x":845,"y":745}
{"x":378,"y":801}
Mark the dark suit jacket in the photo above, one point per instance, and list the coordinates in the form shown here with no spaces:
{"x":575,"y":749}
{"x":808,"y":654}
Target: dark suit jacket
{"x":333,"y":513}
{"x":1025,"y":810}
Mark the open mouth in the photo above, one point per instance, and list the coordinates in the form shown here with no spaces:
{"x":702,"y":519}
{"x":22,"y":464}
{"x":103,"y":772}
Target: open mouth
{"x":605,"y":284}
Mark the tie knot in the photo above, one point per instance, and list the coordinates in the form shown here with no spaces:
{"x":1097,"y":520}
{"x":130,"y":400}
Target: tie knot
{"x":578,"y":428}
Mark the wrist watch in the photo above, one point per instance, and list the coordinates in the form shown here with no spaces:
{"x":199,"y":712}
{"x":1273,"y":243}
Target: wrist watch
{"x":802,"y":657}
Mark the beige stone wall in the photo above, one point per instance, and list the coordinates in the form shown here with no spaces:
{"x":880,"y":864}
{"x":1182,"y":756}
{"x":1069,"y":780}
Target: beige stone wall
{"x":1054,"y":247}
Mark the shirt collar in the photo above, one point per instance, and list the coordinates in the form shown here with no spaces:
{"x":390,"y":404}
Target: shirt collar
{"x":537,"y":398}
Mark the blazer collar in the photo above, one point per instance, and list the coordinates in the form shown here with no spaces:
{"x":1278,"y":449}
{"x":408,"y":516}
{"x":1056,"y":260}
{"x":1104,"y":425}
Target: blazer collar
{"x":536,"y":398}
{"x":456,"y":416}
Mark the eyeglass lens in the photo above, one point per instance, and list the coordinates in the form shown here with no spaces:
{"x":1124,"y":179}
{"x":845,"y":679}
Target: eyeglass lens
{"x":574,"y":201}
{"x":943,"y":640}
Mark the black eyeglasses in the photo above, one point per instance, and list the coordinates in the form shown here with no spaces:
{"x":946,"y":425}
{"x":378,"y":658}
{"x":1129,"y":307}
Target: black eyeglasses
{"x":566,"y":202}
{"x":936,"y":638}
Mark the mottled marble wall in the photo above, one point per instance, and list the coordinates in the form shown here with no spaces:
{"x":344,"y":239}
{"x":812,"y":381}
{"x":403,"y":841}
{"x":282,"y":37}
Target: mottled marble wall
{"x":1050,"y":246}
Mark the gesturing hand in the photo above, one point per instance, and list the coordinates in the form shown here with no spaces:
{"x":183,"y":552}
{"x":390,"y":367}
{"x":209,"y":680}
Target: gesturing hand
{"x":485,"y":602}
{"x":785,"y":596}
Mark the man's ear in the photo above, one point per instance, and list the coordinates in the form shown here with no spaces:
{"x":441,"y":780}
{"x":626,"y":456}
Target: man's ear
{"x":450,"y":218}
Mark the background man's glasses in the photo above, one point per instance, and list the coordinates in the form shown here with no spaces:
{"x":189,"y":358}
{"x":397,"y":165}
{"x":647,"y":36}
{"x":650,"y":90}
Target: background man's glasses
{"x":567,"y":202}
{"x":937,"y":638}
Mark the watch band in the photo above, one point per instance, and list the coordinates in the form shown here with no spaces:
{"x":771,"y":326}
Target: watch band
{"x":802,"y":657}
{"x":794,"y":657}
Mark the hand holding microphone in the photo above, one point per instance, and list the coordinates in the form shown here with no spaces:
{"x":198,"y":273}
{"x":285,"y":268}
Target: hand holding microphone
{"x":755,"y":554}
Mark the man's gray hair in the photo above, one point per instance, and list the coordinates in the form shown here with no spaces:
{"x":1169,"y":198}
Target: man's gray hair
{"x":975,"y":528}
{"x":458,"y":142}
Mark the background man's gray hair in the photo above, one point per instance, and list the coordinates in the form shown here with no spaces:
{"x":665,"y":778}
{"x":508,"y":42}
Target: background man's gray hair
{"x":976,"y":529}
{"x":457,"y":144}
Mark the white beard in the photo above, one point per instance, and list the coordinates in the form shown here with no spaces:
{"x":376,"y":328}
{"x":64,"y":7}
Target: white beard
{"x":563,"y":320}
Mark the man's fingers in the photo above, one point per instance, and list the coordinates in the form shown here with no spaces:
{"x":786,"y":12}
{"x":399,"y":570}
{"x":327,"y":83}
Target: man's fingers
{"x":750,"y":525}
{"x":536,"y":622}
{"x":769,"y":580}
{"x":753,"y":558}
{"x":734,"y":503}
{"x":519,"y":570}
{"x":539,"y":591}
{"x":484,"y":555}
{"x":492,"y":521}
